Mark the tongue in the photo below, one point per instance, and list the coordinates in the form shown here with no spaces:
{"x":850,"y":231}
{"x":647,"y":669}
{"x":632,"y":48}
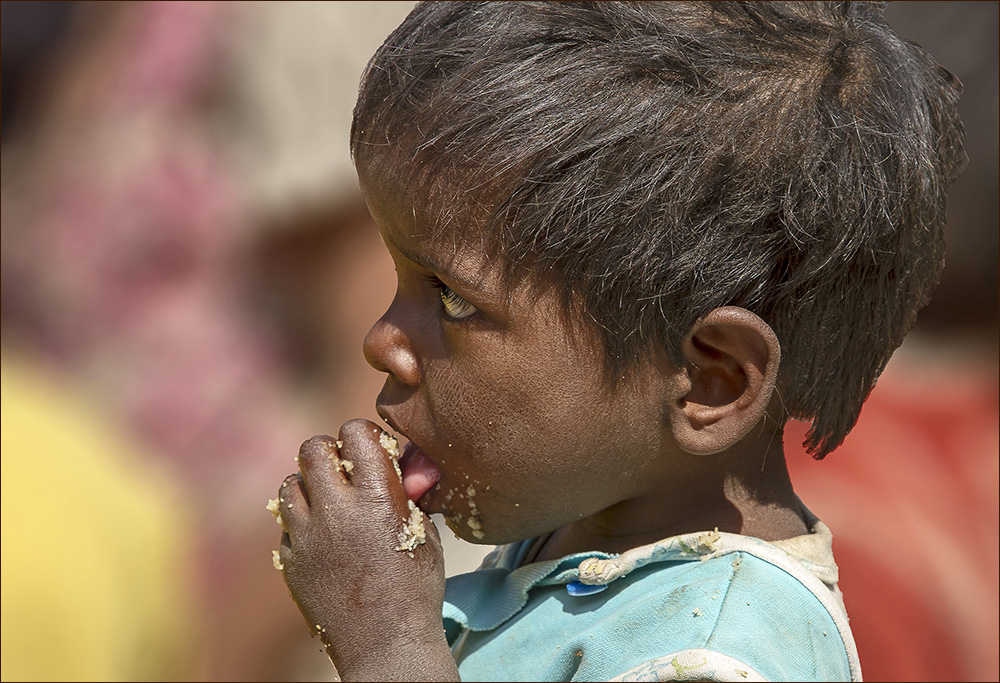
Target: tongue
{"x":419,"y":472}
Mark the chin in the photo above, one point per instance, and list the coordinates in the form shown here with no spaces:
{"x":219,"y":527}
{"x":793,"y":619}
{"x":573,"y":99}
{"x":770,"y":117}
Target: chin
{"x":467,"y":527}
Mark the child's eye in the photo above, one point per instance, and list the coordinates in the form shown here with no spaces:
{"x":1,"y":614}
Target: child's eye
{"x":455,"y":306}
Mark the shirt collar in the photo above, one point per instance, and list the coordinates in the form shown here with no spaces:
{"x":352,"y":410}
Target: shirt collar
{"x":484,"y":599}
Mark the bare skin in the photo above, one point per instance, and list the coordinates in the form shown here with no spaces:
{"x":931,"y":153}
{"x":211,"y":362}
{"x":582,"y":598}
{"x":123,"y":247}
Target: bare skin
{"x":523,"y":438}
{"x":370,"y":604}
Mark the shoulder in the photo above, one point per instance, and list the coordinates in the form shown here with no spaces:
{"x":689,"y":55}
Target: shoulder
{"x":735,"y":616}
{"x":710,"y":606}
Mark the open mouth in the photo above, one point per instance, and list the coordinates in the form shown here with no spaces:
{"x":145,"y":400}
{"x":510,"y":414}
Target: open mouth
{"x":418,"y":471}
{"x":420,"y":474}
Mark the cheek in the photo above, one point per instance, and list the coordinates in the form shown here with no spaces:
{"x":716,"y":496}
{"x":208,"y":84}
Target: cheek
{"x":527,"y":415}
{"x":485,"y":415}
{"x":535,"y":446}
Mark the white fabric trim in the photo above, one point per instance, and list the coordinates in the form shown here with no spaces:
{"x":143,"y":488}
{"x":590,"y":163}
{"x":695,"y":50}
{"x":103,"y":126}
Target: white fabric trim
{"x":692,"y":665}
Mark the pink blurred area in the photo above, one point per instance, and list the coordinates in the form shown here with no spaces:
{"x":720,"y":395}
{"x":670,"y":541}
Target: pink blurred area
{"x":185,"y":249}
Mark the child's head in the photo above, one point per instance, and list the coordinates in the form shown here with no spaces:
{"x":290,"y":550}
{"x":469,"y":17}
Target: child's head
{"x":656,"y":161}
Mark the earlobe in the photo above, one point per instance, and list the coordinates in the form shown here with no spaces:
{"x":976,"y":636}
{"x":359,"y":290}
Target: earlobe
{"x":732,"y":358}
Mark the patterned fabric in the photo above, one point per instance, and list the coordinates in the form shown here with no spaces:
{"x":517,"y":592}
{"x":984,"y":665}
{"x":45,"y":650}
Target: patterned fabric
{"x":706,"y":606}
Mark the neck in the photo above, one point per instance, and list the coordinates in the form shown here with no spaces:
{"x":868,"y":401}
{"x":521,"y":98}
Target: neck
{"x":745,"y":490}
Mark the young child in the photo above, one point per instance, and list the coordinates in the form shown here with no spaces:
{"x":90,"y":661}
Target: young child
{"x":631,"y":241}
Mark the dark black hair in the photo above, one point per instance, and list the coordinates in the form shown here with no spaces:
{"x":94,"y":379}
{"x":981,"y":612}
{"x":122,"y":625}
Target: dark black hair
{"x":660,"y":160}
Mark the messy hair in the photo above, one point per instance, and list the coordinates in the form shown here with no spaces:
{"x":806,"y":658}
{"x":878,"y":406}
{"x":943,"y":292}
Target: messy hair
{"x":660,"y":160}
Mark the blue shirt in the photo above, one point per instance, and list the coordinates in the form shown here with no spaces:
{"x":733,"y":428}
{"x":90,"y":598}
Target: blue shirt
{"x":709,"y":606}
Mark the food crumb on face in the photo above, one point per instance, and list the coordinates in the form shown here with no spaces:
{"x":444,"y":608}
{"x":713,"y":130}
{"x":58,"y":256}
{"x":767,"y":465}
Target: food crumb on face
{"x":413,"y":532}
{"x":347,"y":465}
{"x":276,"y":560}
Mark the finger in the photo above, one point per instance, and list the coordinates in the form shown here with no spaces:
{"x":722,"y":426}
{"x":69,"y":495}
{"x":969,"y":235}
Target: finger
{"x":283,"y":555}
{"x":365,"y":446}
{"x":321,"y":467}
{"x":292,"y":502}
{"x":274,"y":507}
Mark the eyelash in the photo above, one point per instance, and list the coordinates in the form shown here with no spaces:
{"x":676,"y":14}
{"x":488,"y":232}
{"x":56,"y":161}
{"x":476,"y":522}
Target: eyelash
{"x":450,"y":299}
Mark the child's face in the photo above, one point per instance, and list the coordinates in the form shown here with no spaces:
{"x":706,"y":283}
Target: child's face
{"x":504,"y":399}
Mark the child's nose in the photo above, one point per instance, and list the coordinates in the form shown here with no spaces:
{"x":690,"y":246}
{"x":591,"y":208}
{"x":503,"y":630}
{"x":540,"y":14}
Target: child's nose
{"x":388,"y":349}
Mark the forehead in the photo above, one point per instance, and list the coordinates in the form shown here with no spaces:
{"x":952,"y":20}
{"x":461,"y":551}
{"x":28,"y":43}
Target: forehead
{"x":436,"y":200}
{"x":428,"y":212}
{"x":430,"y":232}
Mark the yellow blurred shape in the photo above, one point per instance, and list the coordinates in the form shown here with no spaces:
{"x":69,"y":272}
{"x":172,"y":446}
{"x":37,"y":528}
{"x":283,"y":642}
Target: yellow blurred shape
{"x":95,"y":566}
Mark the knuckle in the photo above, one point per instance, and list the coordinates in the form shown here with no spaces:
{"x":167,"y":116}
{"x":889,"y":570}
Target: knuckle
{"x":320,"y":445}
{"x":292,"y":496}
{"x":287,"y":483}
{"x":359,"y":428}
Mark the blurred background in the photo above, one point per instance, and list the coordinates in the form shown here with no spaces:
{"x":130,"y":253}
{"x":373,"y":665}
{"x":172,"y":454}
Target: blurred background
{"x":188,"y":271}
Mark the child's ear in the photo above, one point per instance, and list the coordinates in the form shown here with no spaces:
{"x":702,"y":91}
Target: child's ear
{"x":732,"y":359}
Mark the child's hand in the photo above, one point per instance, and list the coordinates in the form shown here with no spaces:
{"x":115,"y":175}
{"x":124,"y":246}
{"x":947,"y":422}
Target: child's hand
{"x":375,"y":606}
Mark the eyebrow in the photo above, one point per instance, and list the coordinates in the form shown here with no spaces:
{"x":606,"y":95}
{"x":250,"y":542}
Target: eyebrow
{"x":438,"y":268}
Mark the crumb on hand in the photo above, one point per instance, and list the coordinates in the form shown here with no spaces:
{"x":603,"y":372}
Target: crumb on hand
{"x":413,"y":533}
{"x":274,"y":507}
{"x":391,"y":447}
